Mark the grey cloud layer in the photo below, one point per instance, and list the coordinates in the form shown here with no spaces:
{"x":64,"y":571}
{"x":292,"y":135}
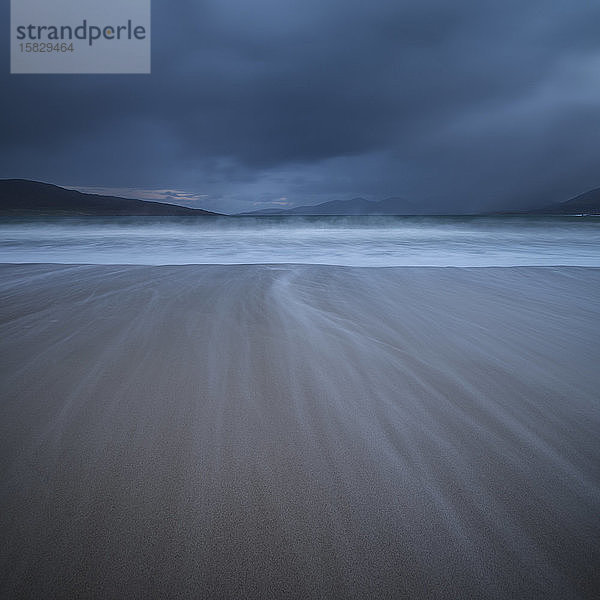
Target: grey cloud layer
{"x":463,"y":105}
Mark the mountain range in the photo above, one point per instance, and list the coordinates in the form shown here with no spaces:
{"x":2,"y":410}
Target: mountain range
{"x":587,"y":204}
{"x":24,"y":197}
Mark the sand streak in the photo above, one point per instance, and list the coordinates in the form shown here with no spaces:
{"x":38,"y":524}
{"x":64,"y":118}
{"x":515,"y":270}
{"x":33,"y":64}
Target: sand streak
{"x":299,"y":431}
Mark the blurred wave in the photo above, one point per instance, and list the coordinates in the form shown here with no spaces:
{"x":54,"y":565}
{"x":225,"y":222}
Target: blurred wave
{"x":352,"y":241}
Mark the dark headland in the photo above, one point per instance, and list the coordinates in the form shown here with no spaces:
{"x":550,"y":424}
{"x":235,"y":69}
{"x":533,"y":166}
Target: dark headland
{"x":21,"y":197}
{"x":587,"y":203}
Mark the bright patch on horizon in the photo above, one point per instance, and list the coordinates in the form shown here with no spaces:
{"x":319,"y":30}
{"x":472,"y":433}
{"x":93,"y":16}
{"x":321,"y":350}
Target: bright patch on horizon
{"x":168,"y":195}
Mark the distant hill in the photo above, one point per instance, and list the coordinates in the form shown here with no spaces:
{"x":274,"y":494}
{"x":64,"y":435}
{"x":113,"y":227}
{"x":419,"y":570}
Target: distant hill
{"x":23,"y":197}
{"x":587,"y":203}
{"x":356,"y":206}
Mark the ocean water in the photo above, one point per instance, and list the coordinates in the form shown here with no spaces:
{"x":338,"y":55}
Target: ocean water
{"x":353,"y":241}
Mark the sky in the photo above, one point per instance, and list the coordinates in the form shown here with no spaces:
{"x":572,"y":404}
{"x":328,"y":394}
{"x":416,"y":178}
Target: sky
{"x":461,"y":106}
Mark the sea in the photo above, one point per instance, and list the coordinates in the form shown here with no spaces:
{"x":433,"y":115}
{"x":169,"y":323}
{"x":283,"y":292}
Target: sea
{"x":351,"y":241}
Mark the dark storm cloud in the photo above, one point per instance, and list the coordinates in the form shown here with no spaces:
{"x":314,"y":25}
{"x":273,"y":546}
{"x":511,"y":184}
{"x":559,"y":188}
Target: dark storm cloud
{"x":464,"y":105}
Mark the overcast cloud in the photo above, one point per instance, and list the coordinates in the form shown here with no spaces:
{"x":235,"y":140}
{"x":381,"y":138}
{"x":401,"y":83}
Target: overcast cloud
{"x":463,"y":105}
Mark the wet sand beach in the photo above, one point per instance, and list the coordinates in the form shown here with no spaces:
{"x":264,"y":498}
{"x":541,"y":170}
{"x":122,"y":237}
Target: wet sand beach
{"x":297,"y":431}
